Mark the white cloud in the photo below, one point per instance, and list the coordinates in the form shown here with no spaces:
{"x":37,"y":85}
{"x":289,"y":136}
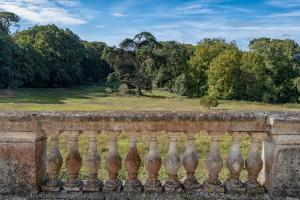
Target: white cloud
{"x":295,"y":13}
{"x":118,"y":14}
{"x":44,"y":11}
{"x":193,"y":8}
{"x":284,"y":3}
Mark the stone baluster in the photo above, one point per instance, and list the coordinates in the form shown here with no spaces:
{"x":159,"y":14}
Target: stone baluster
{"x":214,"y":164}
{"x":173,"y":162}
{"x":73,"y":163}
{"x":254,"y":164}
{"x":113,"y":165}
{"x":153,"y":163}
{"x":190,"y":162}
{"x":54,"y":164}
{"x":93,"y":162}
{"x":235,"y":164}
{"x":133,"y":164}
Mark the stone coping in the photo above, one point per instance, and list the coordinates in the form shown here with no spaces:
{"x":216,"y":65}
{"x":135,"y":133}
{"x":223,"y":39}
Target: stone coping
{"x":152,"y":120}
{"x":147,"y":116}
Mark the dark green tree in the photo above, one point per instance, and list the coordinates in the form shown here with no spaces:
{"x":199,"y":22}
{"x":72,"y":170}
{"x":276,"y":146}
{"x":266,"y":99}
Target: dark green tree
{"x":283,"y":67}
{"x":134,"y":52}
{"x":9,"y":74}
{"x":94,"y":68}
{"x":174,"y":60}
{"x":8,"y":19}
{"x":62,"y":50}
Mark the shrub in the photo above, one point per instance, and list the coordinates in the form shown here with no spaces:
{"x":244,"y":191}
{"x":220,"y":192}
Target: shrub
{"x":123,"y":89}
{"x":209,"y":102}
{"x":108,"y":90}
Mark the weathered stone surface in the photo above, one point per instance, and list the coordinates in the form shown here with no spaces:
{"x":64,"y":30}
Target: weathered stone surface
{"x":282,"y":155}
{"x":22,"y":162}
{"x":22,"y":143}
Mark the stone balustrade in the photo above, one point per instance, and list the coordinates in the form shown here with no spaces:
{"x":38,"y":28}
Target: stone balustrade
{"x":27,"y":167}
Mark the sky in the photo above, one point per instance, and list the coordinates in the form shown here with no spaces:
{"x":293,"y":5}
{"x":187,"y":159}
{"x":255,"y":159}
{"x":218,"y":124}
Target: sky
{"x":186,"y":21}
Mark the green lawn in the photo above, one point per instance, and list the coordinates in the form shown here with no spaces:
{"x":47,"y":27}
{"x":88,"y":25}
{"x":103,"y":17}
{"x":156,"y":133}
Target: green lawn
{"x":94,"y":98}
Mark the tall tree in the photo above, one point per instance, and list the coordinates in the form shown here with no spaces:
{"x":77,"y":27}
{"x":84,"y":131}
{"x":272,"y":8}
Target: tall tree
{"x":94,"y":68}
{"x":283,"y":67}
{"x":136,"y":52}
{"x":8,"y":19}
{"x":176,"y":57}
{"x":196,"y":75}
{"x":224,"y":75}
{"x":62,"y":50}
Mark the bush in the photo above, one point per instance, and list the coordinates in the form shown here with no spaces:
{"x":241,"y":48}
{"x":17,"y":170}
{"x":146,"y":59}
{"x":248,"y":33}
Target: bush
{"x":123,"y":89}
{"x":108,"y":90}
{"x":179,"y":86}
{"x":209,"y":102}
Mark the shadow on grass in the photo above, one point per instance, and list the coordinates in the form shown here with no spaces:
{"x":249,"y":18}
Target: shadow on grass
{"x":51,"y":95}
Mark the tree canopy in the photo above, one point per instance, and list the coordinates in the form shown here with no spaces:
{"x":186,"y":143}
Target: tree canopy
{"x":49,"y":56}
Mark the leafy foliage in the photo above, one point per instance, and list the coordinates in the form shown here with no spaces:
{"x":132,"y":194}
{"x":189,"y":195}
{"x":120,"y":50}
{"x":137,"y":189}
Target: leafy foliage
{"x":61,"y":49}
{"x":209,"y":102}
{"x":197,"y":72}
{"x":47,"y":56}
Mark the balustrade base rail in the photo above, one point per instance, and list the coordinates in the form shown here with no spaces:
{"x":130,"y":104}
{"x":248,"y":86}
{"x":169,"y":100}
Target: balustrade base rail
{"x":26,"y":167}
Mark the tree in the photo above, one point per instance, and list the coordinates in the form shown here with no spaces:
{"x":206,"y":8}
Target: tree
{"x":62,"y":50}
{"x":175,"y":57}
{"x":136,"y":52}
{"x":283,"y":67}
{"x":8,"y":19}
{"x":94,"y":68}
{"x":196,"y":75}
{"x":254,"y":77}
{"x":224,"y":75}
{"x":9,"y":74}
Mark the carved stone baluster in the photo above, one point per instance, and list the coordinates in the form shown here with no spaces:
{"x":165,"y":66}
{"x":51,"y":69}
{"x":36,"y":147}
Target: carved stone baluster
{"x":133,"y":164}
{"x":54,"y":164}
{"x":113,"y":165}
{"x":173,"y":162}
{"x":93,"y":162}
{"x":73,"y":163}
{"x":235,"y":164}
{"x":254,"y":165}
{"x":190,"y":162}
{"x":214,"y":164}
{"x":153,"y":163}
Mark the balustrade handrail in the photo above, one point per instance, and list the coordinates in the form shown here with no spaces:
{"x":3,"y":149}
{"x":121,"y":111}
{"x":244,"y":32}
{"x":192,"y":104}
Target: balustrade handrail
{"x":280,"y":132}
{"x":174,"y":121}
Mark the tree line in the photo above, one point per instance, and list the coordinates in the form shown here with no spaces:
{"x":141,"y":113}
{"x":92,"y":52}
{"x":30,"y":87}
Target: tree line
{"x":48,"y":56}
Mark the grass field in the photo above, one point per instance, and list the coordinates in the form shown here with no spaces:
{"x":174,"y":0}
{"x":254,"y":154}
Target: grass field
{"x":94,"y":98}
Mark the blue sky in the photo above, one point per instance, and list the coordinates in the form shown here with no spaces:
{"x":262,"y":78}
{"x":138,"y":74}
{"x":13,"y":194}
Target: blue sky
{"x":186,"y":21}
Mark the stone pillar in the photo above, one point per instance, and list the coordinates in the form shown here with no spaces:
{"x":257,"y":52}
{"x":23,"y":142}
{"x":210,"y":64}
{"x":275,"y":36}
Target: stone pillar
{"x":22,"y":161}
{"x":93,"y":162}
{"x":173,"y":163}
{"x":254,"y":164}
{"x":235,"y":164}
{"x":54,"y":164}
{"x":133,"y":164}
{"x":73,"y":163}
{"x":113,"y":165}
{"x":214,"y":164}
{"x":153,"y":163}
{"x":282,"y":155}
{"x":190,"y":162}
